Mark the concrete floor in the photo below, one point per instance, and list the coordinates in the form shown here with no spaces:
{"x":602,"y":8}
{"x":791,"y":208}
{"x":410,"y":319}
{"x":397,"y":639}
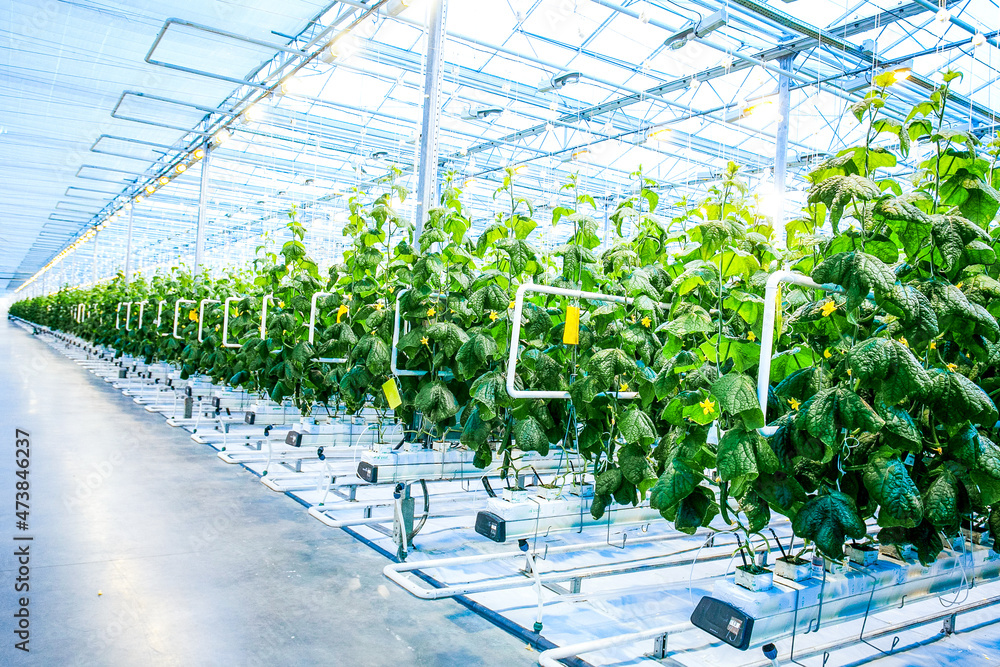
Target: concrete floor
{"x":148,"y":550}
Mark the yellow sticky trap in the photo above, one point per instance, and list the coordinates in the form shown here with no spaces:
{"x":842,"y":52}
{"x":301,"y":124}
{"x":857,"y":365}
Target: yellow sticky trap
{"x":571,"y":333}
{"x":341,"y":312}
{"x":391,"y":392}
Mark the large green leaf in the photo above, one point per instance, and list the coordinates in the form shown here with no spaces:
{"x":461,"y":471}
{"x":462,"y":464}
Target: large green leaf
{"x":743,"y":455}
{"x":952,"y":394}
{"x":475,"y":432}
{"x":436,"y":402}
{"x":607,"y":364}
{"x":676,"y":483}
{"x":476,"y":353}
{"x":828,"y":520}
{"x":828,"y":411}
{"x":696,"y":510}
{"x":838,"y":191}
{"x":889,"y":366}
{"x":448,"y":335}
{"x":490,"y":392}
{"x":858,"y":273}
{"x":695,"y":321}
{"x":889,"y":483}
{"x":737,"y":395}
{"x":636,"y":427}
{"x":529,"y":435}
{"x":941,"y":503}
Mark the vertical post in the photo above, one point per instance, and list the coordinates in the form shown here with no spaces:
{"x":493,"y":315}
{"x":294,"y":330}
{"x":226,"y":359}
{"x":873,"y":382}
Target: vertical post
{"x":128,"y":247}
{"x":93,"y":261}
{"x":427,"y":157}
{"x":199,"y":236}
{"x":781,"y":140}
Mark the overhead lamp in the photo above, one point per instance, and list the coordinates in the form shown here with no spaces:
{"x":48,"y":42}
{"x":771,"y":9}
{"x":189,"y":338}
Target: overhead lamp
{"x":979,"y":39}
{"x":291,"y":86}
{"x":741,"y":111}
{"x":332,"y":53}
{"x":164,"y":180}
{"x":180,"y":168}
{"x":221,"y":137}
{"x":701,"y":28}
{"x":150,"y":189}
{"x":577,"y":155}
{"x":559,"y":81}
{"x":397,"y":7}
{"x":199,"y":153}
{"x":482,"y":113}
{"x":854,"y":83}
{"x":138,"y":199}
{"x":901,"y":71}
{"x":943,"y":15}
{"x":659,"y":135}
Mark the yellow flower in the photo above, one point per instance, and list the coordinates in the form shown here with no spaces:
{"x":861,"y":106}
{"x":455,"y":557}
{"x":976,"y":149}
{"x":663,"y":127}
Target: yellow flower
{"x":632,"y":319}
{"x":904,"y":341}
{"x":623,"y":387}
{"x":646,"y":322}
{"x":281,"y":304}
{"x":379,"y":306}
{"x":933,"y":345}
{"x":707,"y":406}
{"x":341,"y":312}
{"x":795,"y":404}
{"x":349,"y":297}
{"x":511,"y":306}
{"x":952,"y":367}
{"x":751,"y":337}
{"x":431,"y":312}
{"x":425,"y":341}
{"x":828,"y":308}
{"x":850,"y":372}
{"x":959,"y":285}
{"x":493,"y":316}
{"x":826,"y":353}
{"x":193,"y":315}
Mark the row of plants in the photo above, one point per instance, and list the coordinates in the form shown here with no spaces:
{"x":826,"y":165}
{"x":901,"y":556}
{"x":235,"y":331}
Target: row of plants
{"x":881,"y":389}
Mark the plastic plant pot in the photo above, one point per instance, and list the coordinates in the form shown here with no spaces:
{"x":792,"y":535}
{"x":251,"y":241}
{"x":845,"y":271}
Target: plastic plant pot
{"x":515,"y":495}
{"x":864,"y":555}
{"x":754,"y":578}
{"x":794,"y":569}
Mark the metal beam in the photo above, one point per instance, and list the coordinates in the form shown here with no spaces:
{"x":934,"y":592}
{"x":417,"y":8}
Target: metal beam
{"x":427,"y":158}
{"x":199,"y":242}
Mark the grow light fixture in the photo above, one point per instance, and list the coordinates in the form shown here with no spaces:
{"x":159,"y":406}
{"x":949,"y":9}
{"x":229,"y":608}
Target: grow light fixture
{"x":942,"y":16}
{"x":559,"y":81}
{"x":397,"y":7}
{"x":703,"y":27}
{"x":482,"y":113}
{"x":740,"y":111}
{"x":164,"y":180}
{"x":199,"y":153}
{"x":979,"y":39}
{"x":180,"y":168}
{"x":577,"y":155}
{"x":221,"y":137}
{"x":661,"y":134}
{"x":900,"y":71}
{"x":150,"y":189}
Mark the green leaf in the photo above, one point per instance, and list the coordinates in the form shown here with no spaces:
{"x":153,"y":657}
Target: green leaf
{"x":475,"y":432}
{"x":695,"y":321}
{"x":490,"y":391}
{"x":637,"y":428}
{"x":436,"y":402}
{"x":889,"y":366}
{"x":744,"y":353}
{"x":737,"y":395}
{"x":781,"y":490}
{"x":743,"y":455}
{"x":476,"y":353}
{"x":828,"y":411}
{"x":941,"y":503}
{"x":519,"y":252}
{"x":838,"y":191}
{"x":951,"y":393}
{"x":448,"y":335}
{"x":757,"y":512}
{"x":608,"y":482}
{"x":889,"y":484}
{"x":828,"y":520}
{"x":530,"y":436}
{"x":634,"y":465}
{"x":676,"y":483}
{"x":607,"y":364}
{"x":696,"y":510}
{"x":858,"y":273}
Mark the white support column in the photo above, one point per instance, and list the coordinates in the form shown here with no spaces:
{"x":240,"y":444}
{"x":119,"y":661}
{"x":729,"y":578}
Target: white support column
{"x":93,"y":261}
{"x":128,"y":247}
{"x":781,"y":142}
{"x":427,"y":157}
{"x":199,"y":237}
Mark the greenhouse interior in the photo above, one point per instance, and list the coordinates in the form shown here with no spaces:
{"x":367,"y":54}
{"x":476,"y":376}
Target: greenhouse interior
{"x":521,"y":332}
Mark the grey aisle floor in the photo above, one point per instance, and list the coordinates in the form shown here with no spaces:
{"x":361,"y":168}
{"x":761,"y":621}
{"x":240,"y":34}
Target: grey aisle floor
{"x":148,"y":550}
